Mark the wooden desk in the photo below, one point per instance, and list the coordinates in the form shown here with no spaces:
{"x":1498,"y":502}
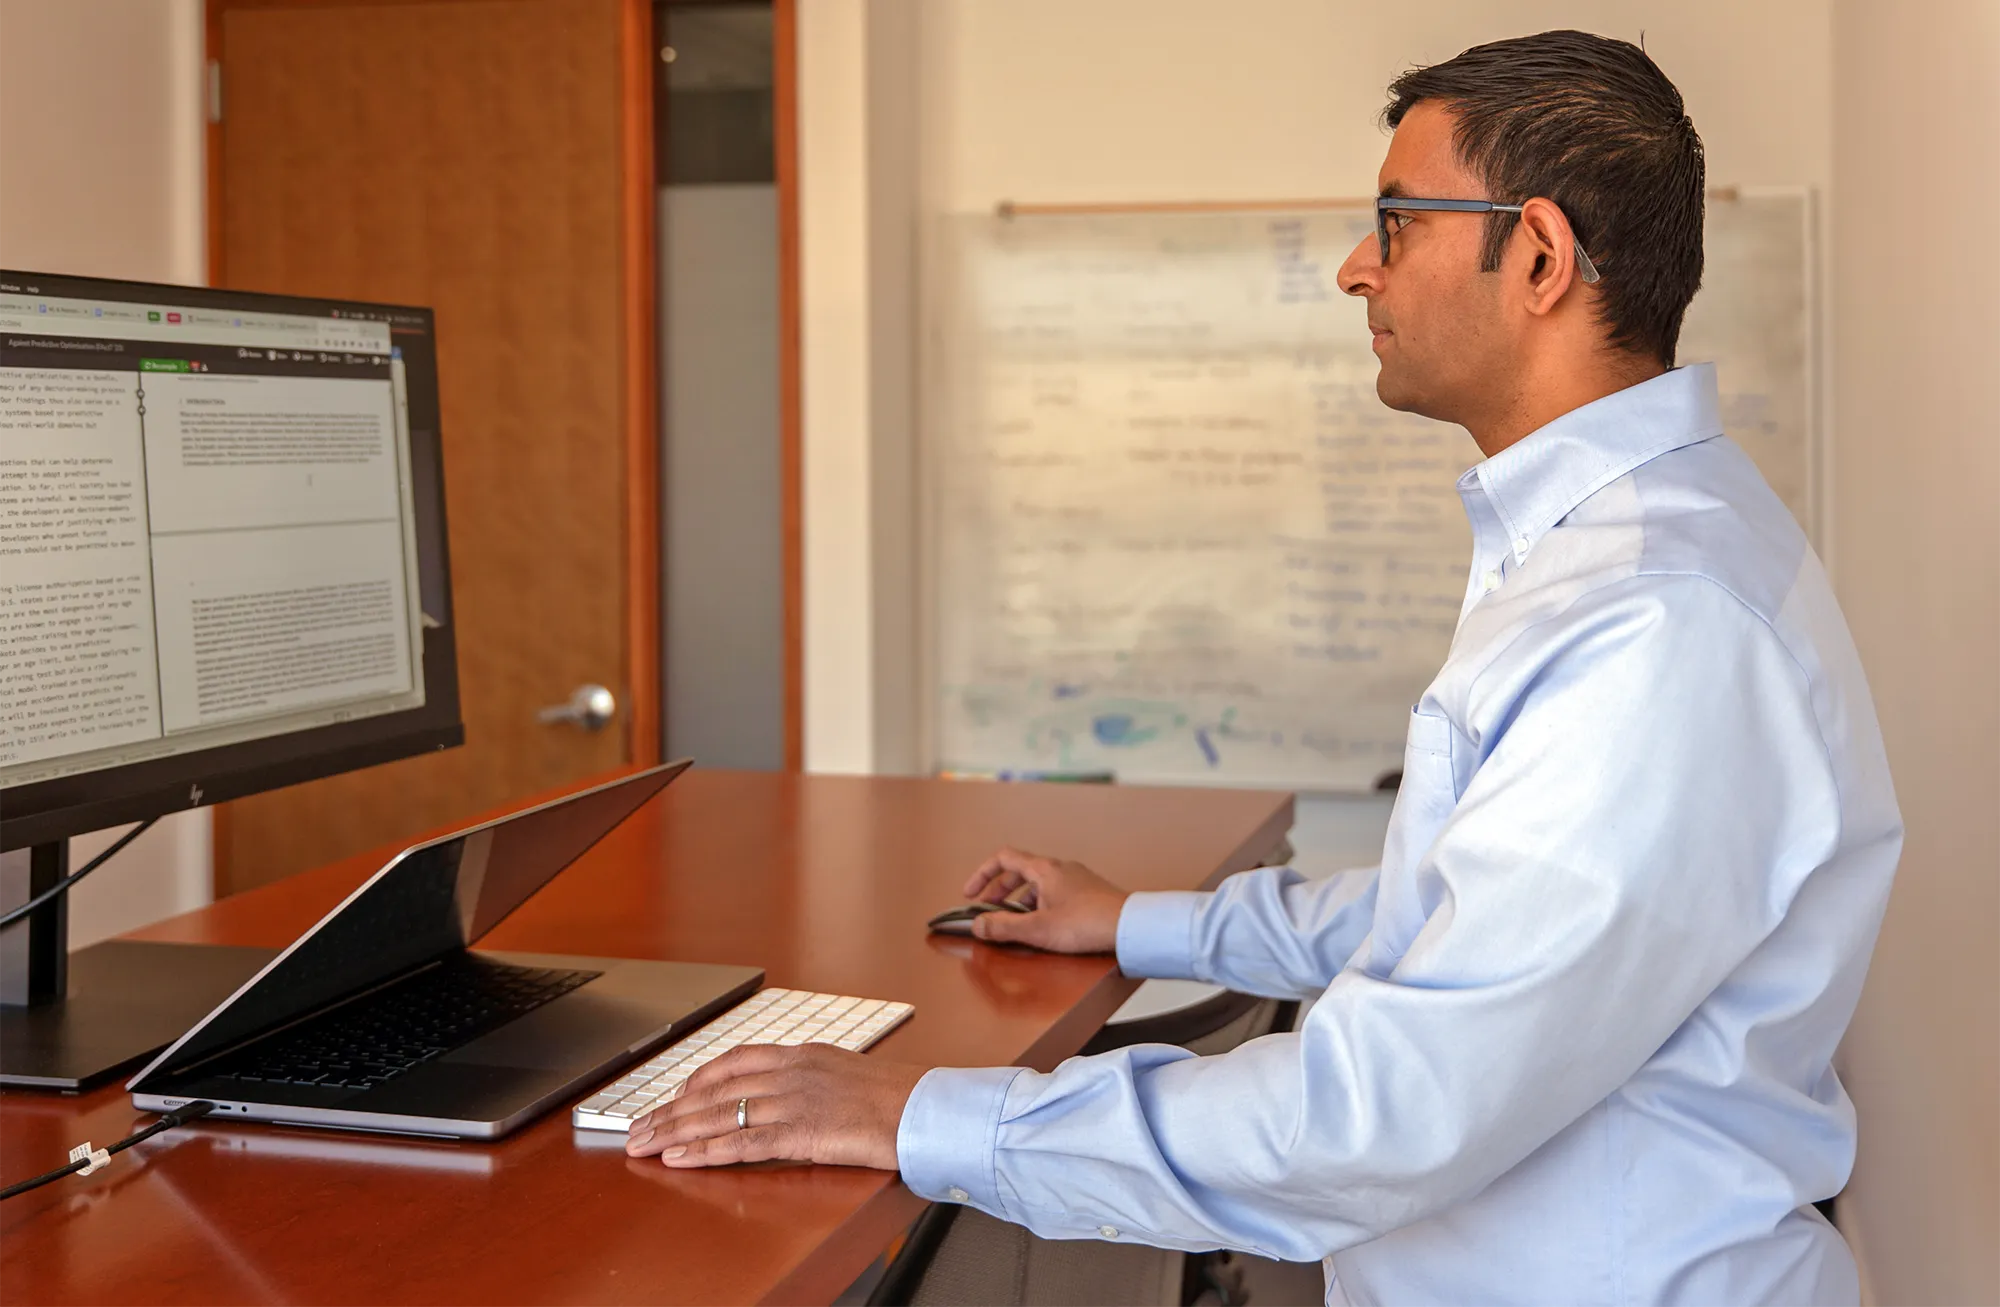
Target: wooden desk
{"x":823,"y":881}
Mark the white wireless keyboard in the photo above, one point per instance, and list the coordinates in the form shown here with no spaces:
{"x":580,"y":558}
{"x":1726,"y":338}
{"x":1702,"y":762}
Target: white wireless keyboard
{"x":770,"y":1016}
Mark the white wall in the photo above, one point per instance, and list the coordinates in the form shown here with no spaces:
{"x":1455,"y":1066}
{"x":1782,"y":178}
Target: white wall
{"x":1917,"y":500}
{"x":101,"y":174}
{"x":101,"y":138}
{"x":1054,"y":100}
{"x":857,"y":189}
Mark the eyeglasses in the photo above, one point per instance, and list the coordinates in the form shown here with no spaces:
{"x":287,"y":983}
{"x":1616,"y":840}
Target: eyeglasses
{"x":1388,"y":204}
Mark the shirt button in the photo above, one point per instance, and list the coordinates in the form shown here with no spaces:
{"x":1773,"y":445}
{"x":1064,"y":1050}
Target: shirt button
{"x":1521,"y":545}
{"x":1108,"y":1231}
{"x":1491,"y":581}
{"x":956,"y":1194}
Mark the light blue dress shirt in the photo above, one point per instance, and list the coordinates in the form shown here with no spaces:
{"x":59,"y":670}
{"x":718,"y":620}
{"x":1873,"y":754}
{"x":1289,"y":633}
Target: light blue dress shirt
{"x":1573,"y":1037}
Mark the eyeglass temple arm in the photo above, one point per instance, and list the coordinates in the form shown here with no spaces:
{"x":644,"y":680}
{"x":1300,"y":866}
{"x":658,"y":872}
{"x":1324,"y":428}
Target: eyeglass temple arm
{"x":1584,"y":267}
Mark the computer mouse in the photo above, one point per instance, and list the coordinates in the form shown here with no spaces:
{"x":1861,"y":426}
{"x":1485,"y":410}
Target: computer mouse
{"x":958,"y":921}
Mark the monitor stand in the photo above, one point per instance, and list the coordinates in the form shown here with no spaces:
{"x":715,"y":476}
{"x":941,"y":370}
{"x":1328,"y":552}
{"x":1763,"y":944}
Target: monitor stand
{"x":69,"y":1020}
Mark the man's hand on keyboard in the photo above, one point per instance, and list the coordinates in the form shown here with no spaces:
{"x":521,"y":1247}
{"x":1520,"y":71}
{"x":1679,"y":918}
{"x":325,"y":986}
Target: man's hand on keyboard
{"x":808,"y":1103}
{"x":1075,"y":909}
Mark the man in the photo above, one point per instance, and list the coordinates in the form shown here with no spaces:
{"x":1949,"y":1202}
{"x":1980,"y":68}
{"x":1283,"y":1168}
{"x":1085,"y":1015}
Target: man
{"x":1572,"y":1040}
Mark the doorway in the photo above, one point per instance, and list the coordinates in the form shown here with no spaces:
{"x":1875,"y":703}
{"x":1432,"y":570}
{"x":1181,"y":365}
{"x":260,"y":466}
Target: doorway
{"x":725,"y":478}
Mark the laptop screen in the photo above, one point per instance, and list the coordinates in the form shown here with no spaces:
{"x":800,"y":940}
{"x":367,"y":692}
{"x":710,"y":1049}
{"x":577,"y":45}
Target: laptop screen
{"x":432,"y":900}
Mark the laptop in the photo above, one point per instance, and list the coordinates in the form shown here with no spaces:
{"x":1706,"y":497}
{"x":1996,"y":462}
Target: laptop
{"x":381,"y":1017}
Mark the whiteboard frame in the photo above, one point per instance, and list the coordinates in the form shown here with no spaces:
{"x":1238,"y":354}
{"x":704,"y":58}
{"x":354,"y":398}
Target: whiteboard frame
{"x":929,"y":412}
{"x":1819,"y":470}
{"x":931,"y":405}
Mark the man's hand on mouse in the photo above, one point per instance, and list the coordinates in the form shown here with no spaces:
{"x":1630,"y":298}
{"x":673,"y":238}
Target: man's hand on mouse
{"x":810,"y":1103}
{"x":1075,"y":909}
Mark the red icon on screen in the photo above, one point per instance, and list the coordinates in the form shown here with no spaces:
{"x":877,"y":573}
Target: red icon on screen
{"x":173,"y":317}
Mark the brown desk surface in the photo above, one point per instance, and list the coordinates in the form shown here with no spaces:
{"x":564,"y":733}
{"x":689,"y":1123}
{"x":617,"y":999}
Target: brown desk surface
{"x":825,"y":882}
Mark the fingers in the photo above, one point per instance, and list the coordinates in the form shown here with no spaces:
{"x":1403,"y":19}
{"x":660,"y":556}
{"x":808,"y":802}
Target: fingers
{"x":1008,"y":927}
{"x":766,"y":1074}
{"x":751,"y":1071}
{"x":687,"y":1118}
{"x":714,"y":1103}
{"x":744,"y":1060}
{"x":988,"y":872}
{"x":666,"y":1127}
{"x":820,"y":1104}
{"x":1003,"y":873}
{"x":1000,"y":887}
{"x":733,"y":1115}
{"x":756,"y":1144}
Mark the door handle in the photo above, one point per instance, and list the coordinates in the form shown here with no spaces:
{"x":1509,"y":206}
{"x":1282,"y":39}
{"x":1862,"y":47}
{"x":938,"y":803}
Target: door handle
{"x":590,"y":708}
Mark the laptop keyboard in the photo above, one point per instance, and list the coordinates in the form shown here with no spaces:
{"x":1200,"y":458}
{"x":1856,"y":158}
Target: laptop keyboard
{"x":372,"y":1040}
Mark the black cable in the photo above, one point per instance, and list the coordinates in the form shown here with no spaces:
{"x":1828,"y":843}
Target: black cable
{"x":168,"y":1120}
{"x":16,"y":914}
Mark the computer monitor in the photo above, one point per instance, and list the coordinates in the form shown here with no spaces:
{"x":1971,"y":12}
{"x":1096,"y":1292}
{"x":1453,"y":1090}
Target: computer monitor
{"x":223,"y":569}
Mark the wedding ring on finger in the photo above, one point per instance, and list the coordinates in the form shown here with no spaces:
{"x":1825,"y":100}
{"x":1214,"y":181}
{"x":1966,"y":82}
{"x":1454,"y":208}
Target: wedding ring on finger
{"x":742,"y":1114}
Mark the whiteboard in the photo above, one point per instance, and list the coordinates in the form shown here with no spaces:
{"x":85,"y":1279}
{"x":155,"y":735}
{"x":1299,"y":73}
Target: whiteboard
{"x":1174,"y":533}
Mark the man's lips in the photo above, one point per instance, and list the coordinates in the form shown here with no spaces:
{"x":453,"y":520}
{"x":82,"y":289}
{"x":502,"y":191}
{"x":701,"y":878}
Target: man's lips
{"x":1378,"y":334}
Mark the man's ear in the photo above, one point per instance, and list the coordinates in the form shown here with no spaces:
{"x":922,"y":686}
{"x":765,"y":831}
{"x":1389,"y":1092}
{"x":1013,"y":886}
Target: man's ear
{"x":1551,"y":246}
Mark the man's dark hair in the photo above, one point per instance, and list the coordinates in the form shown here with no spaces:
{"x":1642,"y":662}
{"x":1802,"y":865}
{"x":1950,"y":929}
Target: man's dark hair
{"x":1594,"y":125}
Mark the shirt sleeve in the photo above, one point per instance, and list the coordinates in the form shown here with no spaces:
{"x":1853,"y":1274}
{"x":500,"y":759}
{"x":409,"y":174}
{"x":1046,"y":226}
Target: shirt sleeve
{"x":1625,"y":841}
{"x":1271,"y":932}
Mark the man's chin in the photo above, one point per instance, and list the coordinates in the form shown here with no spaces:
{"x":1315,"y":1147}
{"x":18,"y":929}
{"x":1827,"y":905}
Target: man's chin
{"x":1393,"y":387}
{"x":1395,"y":392}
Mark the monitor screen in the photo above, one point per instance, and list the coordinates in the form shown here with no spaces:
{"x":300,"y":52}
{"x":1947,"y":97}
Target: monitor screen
{"x":222,"y":547}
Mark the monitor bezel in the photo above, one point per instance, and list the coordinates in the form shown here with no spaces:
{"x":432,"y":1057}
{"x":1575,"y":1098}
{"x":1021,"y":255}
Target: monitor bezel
{"x":45,"y":811}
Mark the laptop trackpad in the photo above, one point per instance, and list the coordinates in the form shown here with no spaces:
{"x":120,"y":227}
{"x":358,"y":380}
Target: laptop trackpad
{"x":470,"y":1093}
{"x":576,"y":1033}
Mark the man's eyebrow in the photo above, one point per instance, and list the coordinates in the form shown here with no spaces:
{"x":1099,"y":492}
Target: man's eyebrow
{"x":1393,"y":191}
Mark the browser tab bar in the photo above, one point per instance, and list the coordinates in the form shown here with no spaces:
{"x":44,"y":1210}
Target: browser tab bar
{"x":106,"y":319}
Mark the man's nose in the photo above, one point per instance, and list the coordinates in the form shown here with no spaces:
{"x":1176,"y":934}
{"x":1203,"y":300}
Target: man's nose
{"x":1362,"y":273}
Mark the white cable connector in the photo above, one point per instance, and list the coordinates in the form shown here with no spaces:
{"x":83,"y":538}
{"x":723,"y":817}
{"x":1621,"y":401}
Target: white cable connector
{"x":83,"y":1159}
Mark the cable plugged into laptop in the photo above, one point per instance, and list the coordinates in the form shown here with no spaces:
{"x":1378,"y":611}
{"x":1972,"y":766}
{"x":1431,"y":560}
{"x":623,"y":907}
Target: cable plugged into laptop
{"x":83,"y":1159}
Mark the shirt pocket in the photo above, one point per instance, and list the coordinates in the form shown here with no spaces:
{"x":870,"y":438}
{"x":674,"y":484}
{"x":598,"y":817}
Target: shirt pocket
{"x":1429,"y":755}
{"x":1423,"y":803}
{"x":1430,"y":782}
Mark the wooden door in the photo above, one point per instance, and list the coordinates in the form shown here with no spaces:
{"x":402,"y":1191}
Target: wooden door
{"x":491,"y":159}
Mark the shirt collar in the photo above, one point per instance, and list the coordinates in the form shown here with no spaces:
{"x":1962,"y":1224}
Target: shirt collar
{"x":1536,"y":482}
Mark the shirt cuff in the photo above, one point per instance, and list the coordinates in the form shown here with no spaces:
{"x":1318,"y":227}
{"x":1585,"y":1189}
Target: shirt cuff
{"x":946,"y":1142}
{"x":1156,"y":935}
